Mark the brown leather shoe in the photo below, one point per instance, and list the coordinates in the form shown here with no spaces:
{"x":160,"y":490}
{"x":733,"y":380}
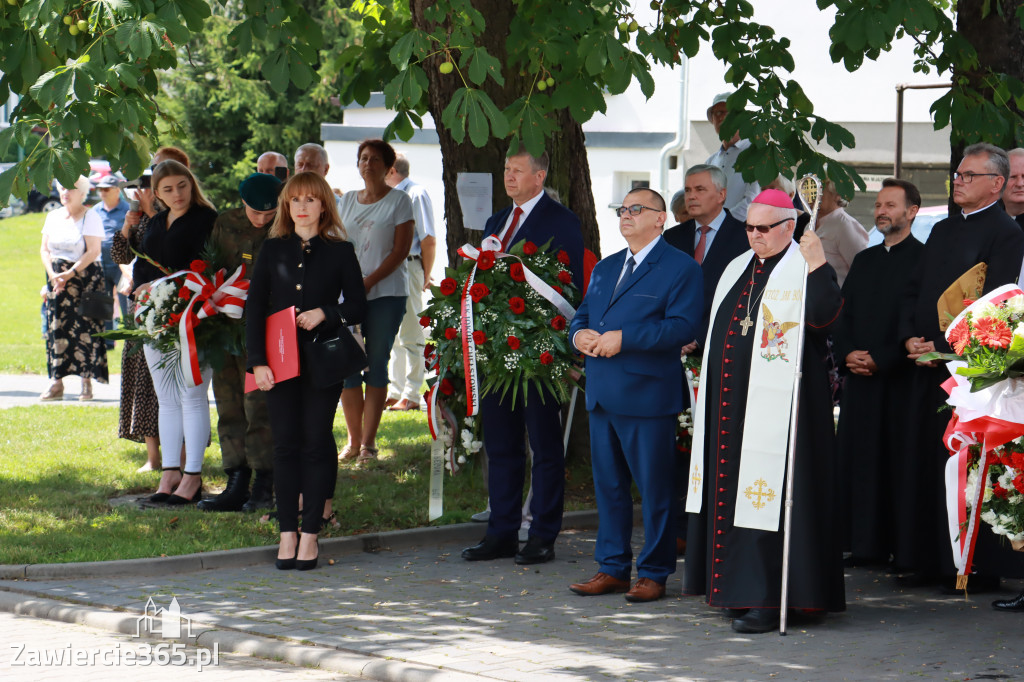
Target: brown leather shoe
{"x":646,"y":589}
{"x":680,"y":547}
{"x":602,"y":583}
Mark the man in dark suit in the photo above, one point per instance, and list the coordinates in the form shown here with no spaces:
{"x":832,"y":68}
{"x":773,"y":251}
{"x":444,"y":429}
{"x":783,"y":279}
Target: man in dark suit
{"x":643,"y":304}
{"x":534,"y":217}
{"x":722,"y":235}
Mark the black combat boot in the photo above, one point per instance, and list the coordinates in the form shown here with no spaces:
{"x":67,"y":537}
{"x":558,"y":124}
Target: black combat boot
{"x":235,"y":494}
{"x":262,"y":492}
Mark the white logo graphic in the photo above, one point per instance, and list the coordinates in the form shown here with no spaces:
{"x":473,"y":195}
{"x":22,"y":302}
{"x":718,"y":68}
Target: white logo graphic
{"x":165,"y":623}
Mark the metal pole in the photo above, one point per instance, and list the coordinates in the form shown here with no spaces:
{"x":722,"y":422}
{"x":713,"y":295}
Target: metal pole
{"x":811,"y":201}
{"x":898,"y":166}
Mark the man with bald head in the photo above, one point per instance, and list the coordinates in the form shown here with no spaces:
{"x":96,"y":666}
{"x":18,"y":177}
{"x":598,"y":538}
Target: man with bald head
{"x":643,"y":304}
{"x":741,"y":430}
{"x":269,"y":162}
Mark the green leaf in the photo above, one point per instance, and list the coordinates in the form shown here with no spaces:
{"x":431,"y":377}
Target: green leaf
{"x":483,"y":64}
{"x":414,"y":42}
{"x":195,"y":12}
{"x":275,"y":69}
{"x":54,"y":87}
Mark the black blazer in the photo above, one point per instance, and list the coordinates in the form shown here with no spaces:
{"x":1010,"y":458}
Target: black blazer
{"x":548,"y":220}
{"x":176,"y":247}
{"x":730,"y":242}
{"x":286,"y":274}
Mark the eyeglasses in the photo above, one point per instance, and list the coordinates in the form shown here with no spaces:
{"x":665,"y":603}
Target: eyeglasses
{"x":635,"y":209}
{"x":763,"y":229}
{"x":967,"y":177}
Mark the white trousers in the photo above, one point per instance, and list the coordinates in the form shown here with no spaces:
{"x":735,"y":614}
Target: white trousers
{"x":184,"y":413}
{"x":407,"y":370}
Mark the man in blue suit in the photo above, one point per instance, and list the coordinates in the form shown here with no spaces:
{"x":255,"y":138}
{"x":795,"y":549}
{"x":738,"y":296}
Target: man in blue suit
{"x":643,"y":304}
{"x":534,"y":217}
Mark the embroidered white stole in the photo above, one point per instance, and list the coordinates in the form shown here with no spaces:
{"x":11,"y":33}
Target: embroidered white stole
{"x":773,"y":366}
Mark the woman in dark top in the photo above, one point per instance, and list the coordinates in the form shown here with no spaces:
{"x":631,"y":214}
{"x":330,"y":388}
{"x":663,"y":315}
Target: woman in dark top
{"x":175,"y":237}
{"x":305,"y":263}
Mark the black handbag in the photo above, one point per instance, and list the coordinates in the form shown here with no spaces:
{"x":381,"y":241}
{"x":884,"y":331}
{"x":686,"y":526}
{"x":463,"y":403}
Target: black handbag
{"x":97,"y":305}
{"x":328,"y":362}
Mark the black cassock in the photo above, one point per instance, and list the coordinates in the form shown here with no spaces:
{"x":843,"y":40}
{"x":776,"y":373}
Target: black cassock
{"x":742,"y":567}
{"x":955,"y":245}
{"x":871,"y":420}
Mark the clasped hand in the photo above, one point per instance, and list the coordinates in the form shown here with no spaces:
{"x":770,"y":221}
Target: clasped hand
{"x":596,"y":345}
{"x":310,"y":318}
{"x":917,"y":346}
{"x":860,"y":362}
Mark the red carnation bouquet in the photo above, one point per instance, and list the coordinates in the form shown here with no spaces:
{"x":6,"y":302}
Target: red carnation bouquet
{"x":519,"y":337}
{"x":191,"y":316}
{"x":985,"y":474}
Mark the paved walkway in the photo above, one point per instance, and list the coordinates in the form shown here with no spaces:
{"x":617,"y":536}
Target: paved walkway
{"x":23,"y":390}
{"x":426,"y":614}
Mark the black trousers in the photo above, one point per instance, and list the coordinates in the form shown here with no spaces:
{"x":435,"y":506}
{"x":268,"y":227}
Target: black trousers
{"x":305,"y":453}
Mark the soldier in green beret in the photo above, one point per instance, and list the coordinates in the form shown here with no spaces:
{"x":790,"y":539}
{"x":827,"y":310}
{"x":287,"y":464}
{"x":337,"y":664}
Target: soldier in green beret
{"x":242,"y":422}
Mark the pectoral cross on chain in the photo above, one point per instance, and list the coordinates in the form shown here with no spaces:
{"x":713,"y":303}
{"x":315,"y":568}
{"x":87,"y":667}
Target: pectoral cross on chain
{"x":746,"y":323}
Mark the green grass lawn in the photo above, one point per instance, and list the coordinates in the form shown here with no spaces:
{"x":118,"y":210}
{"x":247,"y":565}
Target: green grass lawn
{"x":22,"y":349}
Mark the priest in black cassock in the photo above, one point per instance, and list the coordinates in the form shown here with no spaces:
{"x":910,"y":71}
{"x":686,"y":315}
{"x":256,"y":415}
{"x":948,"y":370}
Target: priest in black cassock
{"x":981,"y":232}
{"x":737,"y":469}
{"x":867,"y":343}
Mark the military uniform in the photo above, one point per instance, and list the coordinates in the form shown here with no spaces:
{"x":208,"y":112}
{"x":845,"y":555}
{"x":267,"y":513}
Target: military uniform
{"x":243,"y":424}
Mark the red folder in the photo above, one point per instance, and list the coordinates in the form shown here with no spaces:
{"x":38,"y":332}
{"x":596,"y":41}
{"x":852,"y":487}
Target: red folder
{"x":282,"y":348}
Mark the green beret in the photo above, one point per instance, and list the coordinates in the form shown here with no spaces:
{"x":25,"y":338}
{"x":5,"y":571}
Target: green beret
{"x":259,"y":191}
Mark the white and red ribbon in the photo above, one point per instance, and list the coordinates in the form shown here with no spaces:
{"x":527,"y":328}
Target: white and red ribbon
{"x":226,"y":297}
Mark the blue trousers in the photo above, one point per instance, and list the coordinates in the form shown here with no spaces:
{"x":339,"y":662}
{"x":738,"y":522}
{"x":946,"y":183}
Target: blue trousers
{"x":642,"y":449}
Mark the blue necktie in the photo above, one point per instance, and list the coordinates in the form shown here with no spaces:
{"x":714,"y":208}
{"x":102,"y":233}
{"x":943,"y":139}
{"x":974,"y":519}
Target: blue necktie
{"x":625,"y":276}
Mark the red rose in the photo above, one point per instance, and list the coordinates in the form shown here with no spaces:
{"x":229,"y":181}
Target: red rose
{"x":563,"y":257}
{"x":558,"y":323}
{"x":529,"y":248}
{"x":478,"y":291}
{"x":428,"y":350}
{"x":1018,"y":483}
{"x":516,"y":272}
{"x":184,"y":292}
{"x":486,"y":260}
{"x":516,"y":305}
{"x":546,"y":358}
{"x":999,"y":491}
{"x":447,"y":387}
{"x":448,"y":286}
{"x":425,"y":321}
{"x":513,"y":342}
{"x":174,"y":319}
{"x":198,"y":265}
{"x":557,"y":288}
{"x":450,"y":333}
{"x":479,"y":337}
{"x":564,"y":277}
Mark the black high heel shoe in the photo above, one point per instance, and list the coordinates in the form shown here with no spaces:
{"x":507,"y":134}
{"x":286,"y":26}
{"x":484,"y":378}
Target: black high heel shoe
{"x":307,"y":564}
{"x":287,"y":564}
{"x":178,"y":500}
{"x":160,"y":498}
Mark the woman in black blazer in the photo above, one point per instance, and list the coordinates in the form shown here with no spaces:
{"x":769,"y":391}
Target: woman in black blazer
{"x":305,"y":263}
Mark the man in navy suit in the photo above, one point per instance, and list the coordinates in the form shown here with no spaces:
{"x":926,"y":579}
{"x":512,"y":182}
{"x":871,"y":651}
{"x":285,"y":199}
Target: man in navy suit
{"x":713,"y":237}
{"x":643,"y":304}
{"x":723,"y":236}
{"x":534,"y":217}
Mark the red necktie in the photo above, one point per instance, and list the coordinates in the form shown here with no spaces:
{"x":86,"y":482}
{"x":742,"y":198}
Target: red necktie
{"x":511,"y":229}
{"x":702,"y":244}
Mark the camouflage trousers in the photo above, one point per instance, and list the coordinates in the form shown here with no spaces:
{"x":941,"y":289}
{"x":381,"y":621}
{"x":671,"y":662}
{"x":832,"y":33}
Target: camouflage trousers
{"x":243,"y":424}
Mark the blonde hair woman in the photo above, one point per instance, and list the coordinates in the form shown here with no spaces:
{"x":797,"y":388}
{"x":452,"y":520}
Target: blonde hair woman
{"x":305,"y":263}
{"x":70,"y":250}
{"x":175,"y":237}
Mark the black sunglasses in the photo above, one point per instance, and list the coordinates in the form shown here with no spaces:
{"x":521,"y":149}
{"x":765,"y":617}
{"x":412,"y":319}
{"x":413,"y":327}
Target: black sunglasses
{"x":763,"y":229}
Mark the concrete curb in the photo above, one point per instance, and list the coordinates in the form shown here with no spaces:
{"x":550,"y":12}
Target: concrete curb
{"x":250,"y":556}
{"x":233,"y":641}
